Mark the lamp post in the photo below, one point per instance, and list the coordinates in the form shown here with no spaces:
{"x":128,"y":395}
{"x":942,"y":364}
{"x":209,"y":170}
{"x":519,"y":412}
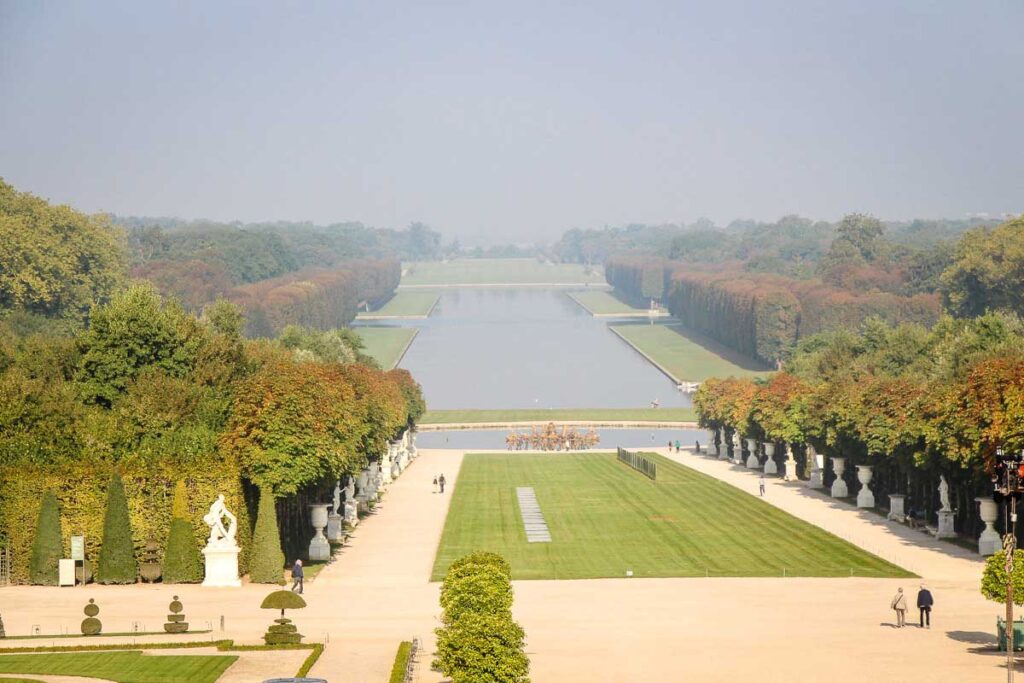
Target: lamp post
{"x":1008,"y":484}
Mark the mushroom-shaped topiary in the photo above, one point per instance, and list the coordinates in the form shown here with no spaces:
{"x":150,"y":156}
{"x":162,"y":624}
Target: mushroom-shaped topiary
{"x":282,"y":631}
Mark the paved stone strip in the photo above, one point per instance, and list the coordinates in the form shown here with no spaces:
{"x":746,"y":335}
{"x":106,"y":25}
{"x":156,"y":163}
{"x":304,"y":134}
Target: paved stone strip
{"x":533,"y":519}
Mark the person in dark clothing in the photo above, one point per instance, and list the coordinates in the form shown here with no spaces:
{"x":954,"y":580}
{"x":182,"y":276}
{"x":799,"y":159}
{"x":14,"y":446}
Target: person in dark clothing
{"x":440,"y":481}
{"x":924,"y":603}
{"x":297,"y":576}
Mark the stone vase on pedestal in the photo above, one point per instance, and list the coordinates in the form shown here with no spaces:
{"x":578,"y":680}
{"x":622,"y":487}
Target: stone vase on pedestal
{"x":816,"y":461}
{"x":753,"y":461}
{"x":770,"y":466}
{"x":989,"y":542}
{"x":839,"y":489}
{"x":897,"y":507}
{"x":319,"y":548}
{"x":865,"y":498}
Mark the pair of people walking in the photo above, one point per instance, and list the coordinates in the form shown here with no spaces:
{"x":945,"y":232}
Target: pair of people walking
{"x":439,"y":481}
{"x":924,"y":605}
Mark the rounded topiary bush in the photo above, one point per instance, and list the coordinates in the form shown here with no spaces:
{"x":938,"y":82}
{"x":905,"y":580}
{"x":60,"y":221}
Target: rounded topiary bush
{"x":47,"y":547}
{"x":91,"y":626}
{"x":267,"y":558}
{"x":117,"y":552}
{"x":182,"y":560}
{"x":993,"y":577}
{"x":483,"y":647}
{"x":484,"y":590}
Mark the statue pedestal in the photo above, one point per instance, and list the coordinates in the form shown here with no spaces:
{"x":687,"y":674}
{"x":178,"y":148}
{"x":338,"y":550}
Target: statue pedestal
{"x":945,"y":529}
{"x":790,"y":469}
{"x":351,"y":514}
{"x":897,"y":509}
{"x":222,"y":566}
{"x":333,"y":527}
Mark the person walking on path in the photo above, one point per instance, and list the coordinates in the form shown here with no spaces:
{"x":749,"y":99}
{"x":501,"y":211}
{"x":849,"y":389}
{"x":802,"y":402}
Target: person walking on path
{"x":677,"y":445}
{"x":297,"y":576}
{"x":924,"y":603}
{"x":435,"y":484}
{"x":899,"y":603}
{"x":440,"y":481}
{"x":760,"y":484}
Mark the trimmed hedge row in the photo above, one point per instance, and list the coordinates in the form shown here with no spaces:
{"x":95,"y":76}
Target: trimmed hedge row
{"x":81,"y":492}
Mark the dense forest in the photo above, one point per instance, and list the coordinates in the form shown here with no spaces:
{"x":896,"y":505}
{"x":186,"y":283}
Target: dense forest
{"x":101,"y":373}
{"x":863,"y":272}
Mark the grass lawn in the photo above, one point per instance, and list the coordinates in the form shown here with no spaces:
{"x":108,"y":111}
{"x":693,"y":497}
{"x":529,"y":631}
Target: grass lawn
{"x":687,"y":357}
{"x":405,"y":305}
{"x":606,"y":518}
{"x":499,"y":271}
{"x":605,"y":303}
{"x":561,"y":414}
{"x":125,"y":667}
{"x":386,"y":344}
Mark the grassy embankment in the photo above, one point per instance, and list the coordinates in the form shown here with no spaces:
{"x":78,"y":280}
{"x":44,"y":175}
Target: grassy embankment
{"x":605,"y":519}
{"x":686,"y":357}
{"x":560,"y":415}
{"x":386,"y":345}
{"x":498,"y":272}
{"x":600,"y":303}
{"x":404,"y":305}
{"x":124,"y":667}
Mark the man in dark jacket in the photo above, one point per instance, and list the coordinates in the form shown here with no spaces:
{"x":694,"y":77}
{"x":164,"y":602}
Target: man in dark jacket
{"x":441,"y":481}
{"x":297,"y":576}
{"x":924,"y":603}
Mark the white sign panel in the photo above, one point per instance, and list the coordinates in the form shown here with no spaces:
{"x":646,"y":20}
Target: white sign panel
{"x":66,"y":573}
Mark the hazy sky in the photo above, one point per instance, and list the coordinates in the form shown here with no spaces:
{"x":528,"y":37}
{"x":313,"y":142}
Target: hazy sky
{"x":515,"y":119}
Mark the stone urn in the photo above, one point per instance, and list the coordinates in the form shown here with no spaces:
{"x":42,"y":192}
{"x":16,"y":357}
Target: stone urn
{"x":989,"y":542}
{"x":839,"y":489}
{"x":753,"y":461}
{"x":319,"y":548}
{"x":865,"y":498}
{"x":770,"y":466}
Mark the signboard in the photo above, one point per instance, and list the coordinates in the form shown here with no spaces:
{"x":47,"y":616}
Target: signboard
{"x":66,"y":573}
{"x":78,"y":548}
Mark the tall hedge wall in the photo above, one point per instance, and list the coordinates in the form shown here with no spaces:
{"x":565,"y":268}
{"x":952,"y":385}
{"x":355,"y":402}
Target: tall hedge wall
{"x":81,"y":491}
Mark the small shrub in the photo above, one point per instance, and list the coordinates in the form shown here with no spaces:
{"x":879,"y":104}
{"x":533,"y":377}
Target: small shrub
{"x":993,"y":577}
{"x":117,"y":552}
{"x":483,"y":647}
{"x":47,"y":548}
{"x":267,"y":558}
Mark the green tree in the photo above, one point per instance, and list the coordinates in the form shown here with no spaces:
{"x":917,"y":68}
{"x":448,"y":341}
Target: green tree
{"x":117,"y":552}
{"x":483,"y":648}
{"x":47,"y":548}
{"x":267,"y":559}
{"x":987,"y":271}
{"x":993,"y":577}
{"x":134,"y":331}
{"x":56,"y":261}
{"x":182,"y":562}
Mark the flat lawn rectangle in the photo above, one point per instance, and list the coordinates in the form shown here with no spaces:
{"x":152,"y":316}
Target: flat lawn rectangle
{"x":606,"y":519}
{"x":125,"y":667}
{"x":524,"y":271}
{"x":686,"y":357}
{"x":405,"y":305}
{"x":386,"y":345}
{"x":605,"y":303}
{"x":560,"y":415}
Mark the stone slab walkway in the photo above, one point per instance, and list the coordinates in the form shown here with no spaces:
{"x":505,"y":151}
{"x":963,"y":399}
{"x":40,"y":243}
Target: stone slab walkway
{"x":533,"y":519}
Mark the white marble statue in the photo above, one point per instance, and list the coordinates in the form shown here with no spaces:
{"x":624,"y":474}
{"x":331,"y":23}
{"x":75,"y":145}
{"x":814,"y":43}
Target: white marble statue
{"x":219,"y":534}
{"x":944,"y":494}
{"x":336,"y":510}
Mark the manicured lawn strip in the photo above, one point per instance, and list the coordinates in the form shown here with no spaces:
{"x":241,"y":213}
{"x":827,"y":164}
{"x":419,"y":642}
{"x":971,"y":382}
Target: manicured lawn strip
{"x":498,"y":271}
{"x":386,"y":344}
{"x":405,"y":304}
{"x":401,"y":662}
{"x":605,"y":519}
{"x":687,"y":357}
{"x":125,"y":667}
{"x":561,"y":414}
{"x":103,"y":635}
{"x":605,"y":303}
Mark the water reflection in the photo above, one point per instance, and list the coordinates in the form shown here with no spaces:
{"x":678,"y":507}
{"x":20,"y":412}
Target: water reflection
{"x":528,"y":348}
{"x":494,"y":439}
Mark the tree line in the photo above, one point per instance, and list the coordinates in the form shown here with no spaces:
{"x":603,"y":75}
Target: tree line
{"x":913,"y":402}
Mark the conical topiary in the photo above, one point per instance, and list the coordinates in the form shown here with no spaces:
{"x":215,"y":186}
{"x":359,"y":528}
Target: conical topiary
{"x":182,"y":562}
{"x":267,"y":565}
{"x":117,"y":553}
{"x":47,"y":548}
